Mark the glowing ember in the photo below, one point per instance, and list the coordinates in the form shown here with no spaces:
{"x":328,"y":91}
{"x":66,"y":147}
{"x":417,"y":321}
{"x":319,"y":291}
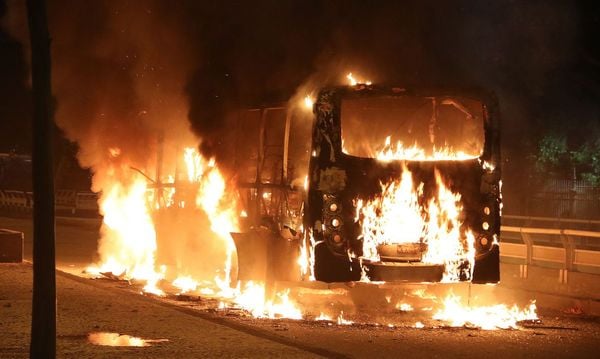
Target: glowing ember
{"x":121,"y":340}
{"x":419,"y":325}
{"x":396,"y":217}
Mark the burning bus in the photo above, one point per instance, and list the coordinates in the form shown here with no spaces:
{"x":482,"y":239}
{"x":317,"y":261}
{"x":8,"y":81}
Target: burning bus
{"x":359,"y":183}
{"x":374,"y":184}
{"x":404,"y":184}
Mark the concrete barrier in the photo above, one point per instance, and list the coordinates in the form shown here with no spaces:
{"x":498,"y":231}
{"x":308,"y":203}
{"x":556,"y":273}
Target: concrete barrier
{"x":68,"y":203}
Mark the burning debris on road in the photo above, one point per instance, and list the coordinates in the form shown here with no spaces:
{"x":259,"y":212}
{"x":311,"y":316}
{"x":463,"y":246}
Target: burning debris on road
{"x":121,"y":340}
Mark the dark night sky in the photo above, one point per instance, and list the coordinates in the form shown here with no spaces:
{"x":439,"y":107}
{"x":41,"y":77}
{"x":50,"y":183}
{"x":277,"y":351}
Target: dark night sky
{"x":541,"y":57}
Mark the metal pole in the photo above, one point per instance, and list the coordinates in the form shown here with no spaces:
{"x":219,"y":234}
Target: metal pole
{"x":158,"y":192}
{"x":43,"y":319}
{"x":286,"y":143}
{"x":259,"y":165}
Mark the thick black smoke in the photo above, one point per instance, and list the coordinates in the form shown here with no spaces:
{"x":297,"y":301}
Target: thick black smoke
{"x":541,"y":59}
{"x":118,"y":62}
{"x":530,"y":53}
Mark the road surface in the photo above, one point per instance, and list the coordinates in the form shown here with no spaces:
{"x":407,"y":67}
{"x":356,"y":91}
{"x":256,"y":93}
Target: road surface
{"x":197,"y":329}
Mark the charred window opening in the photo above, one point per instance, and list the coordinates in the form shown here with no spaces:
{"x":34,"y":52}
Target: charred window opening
{"x":412,"y":128}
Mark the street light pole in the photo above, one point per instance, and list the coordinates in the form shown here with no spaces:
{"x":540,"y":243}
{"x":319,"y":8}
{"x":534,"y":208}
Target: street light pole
{"x":43,"y":319}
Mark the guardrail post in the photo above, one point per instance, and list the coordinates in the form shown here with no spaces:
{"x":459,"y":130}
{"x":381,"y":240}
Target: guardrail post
{"x":524,"y":268}
{"x":526,"y":238}
{"x":569,"y":245}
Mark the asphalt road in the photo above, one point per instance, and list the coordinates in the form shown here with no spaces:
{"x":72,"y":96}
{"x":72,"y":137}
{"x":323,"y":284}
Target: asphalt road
{"x":197,"y":329}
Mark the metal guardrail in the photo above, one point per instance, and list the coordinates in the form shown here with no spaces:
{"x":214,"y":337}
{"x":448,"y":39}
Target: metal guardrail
{"x":563,"y":249}
{"x":558,"y":222}
{"x":552,"y":219}
{"x":68,"y":202}
{"x":566,"y":256}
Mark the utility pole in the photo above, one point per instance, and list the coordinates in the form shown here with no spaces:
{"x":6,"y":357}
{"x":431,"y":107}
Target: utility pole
{"x":43,"y":319}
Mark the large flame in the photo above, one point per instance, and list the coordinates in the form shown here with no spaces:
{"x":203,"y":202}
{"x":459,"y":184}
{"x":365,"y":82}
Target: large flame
{"x":398,"y":151}
{"x":306,"y":259}
{"x":396,"y":217}
{"x":222,"y":215}
{"x":498,"y":316}
{"x":399,"y":214}
{"x":128,"y":245}
{"x":194,"y":164}
{"x":253,"y":297}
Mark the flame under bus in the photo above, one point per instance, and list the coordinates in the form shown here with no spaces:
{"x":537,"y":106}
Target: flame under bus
{"x":404,"y":184}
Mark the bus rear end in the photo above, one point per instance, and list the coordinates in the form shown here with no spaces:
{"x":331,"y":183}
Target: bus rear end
{"x":404,"y":185}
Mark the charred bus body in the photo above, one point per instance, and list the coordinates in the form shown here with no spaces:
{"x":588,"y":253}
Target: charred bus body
{"x":453,"y":137}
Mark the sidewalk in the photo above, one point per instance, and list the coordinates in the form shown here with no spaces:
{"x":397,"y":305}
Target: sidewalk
{"x":85,"y":308}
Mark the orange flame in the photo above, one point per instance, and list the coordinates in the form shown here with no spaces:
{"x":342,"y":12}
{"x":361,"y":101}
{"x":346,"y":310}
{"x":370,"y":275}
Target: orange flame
{"x":128,"y":242}
{"x":128,"y":246}
{"x":253,"y":299}
{"x":396,"y":217}
{"x":353,"y":81}
{"x":194,"y":164}
{"x":391,"y":152}
{"x":486,"y":317}
{"x":342,"y":321}
{"x":185,"y":284}
{"x":308,"y":102}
